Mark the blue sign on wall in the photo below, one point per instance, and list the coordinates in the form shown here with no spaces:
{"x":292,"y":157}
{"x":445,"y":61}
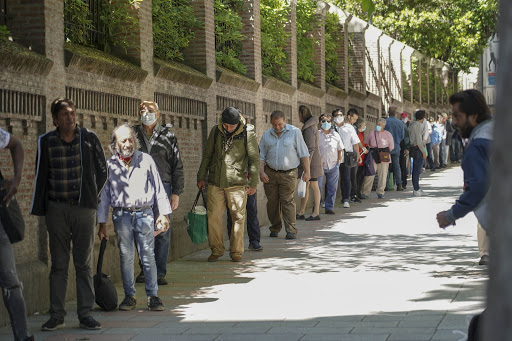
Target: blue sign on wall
{"x":492,"y":78}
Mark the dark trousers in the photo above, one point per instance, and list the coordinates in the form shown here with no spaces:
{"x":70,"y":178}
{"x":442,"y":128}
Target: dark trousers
{"x":442,"y":153}
{"x":456,"y":150}
{"x":403,"y":167}
{"x":397,"y":172}
{"x":348,"y":178}
{"x":359,"y":179}
{"x":430,"y":159}
{"x":416,"y":168}
{"x":253,"y":223}
{"x":66,"y":224}
{"x":162,"y":243}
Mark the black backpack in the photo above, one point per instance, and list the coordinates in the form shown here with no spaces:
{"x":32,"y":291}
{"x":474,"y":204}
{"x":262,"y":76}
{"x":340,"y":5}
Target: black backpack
{"x":105,"y":291}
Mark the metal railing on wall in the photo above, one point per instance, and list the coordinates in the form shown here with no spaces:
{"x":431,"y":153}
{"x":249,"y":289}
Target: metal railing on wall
{"x":95,"y":33}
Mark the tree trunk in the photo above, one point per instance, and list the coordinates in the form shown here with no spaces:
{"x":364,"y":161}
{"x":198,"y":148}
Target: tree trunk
{"x":498,"y":321}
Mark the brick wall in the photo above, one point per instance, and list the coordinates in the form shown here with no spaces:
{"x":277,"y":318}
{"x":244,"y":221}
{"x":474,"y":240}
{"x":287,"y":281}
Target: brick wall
{"x":104,"y":102}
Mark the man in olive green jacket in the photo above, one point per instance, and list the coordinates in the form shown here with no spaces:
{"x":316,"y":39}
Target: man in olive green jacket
{"x":231,"y":155}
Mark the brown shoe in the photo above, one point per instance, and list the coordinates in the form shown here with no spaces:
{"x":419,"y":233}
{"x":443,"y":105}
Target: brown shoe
{"x":236,"y":258}
{"x":213,"y":258}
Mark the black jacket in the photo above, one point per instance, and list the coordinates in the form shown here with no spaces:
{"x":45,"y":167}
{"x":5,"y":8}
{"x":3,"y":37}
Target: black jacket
{"x":94,"y":172}
{"x":165,"y":152}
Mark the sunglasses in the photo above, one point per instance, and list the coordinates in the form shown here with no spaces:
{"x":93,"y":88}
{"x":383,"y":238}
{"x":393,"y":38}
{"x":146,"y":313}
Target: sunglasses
{"x":323,"y":121}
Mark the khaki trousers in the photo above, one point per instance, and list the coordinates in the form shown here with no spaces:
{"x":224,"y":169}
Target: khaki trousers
{"x":381,"y":170}
{"x":483,"y":241}
{"x":280,"y":201}
{"x":235,"y":198}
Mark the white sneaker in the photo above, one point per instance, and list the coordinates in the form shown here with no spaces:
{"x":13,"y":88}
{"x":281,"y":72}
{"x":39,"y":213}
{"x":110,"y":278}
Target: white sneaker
{"x":346,"y":204}
{"x":417,"y":193}
{"x":323,"y":205}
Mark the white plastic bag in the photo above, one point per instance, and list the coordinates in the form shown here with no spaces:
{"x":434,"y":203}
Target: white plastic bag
{"x":301,"y":188}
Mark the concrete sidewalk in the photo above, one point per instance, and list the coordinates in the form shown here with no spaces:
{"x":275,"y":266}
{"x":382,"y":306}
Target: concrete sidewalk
{"x":380,"y":270}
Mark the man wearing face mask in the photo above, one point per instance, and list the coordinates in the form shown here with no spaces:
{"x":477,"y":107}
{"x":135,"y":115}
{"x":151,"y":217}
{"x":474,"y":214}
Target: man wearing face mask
{"x":351,"y":156}
{"x":161,"y":143}
{"x":230,"y":160}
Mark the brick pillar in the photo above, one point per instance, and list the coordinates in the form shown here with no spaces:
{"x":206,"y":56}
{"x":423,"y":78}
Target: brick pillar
{"x":251,"y":45}
{"x":145,"y":52}
{"x":200,"y":54}
{"x":345,"y":54}
{"x":341,"y":66}
{"x":26,"y":21}
{"x":291,"y":46}
{"x":420,"y":76}
{"x":318,"y":35}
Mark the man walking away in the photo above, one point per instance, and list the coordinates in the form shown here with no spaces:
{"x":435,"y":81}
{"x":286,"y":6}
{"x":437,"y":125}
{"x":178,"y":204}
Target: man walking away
{"x":161,"y":143}
{"x":71,"y":171}
{"x":282,"y":148}
{"x":397,"y":130}
{"x":231,"y":153}
{"x":418,"y":150}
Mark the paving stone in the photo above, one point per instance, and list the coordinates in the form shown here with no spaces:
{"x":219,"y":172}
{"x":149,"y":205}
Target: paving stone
{"x":409,"y":337}
{"x":346,"y":337}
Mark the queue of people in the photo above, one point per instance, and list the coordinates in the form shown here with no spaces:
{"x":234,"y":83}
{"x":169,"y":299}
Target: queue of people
{"x":142,"y":180}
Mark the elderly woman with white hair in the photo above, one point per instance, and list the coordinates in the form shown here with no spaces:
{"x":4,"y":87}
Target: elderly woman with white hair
{"x":381,"y":143}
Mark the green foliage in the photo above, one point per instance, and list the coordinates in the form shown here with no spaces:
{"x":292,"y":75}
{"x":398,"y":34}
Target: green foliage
{"x":4,"y":33}
{"x":432,"y":85}
{"x":173,"y":24}
{"x":274,"y":38}
{"x":306,"y":22}
{"x":116,"y":23}
{"x":333,"y":42}
{"x":454,"y":31}
{"x":228,"y":34}
{"x":78,"y":21}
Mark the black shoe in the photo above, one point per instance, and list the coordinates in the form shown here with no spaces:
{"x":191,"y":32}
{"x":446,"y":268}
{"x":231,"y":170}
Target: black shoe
{"x":290,"y":235}
{"x":155,"y":303}
{"x":161,"y":280}
{"x":128,"y":303}
{"x":443,"y":166}
{"x":311,"y":218}
{"x":399,"y":188}
{"x":53,"y":324}
{"x":355,"y":199}
{"x":404,"y":187}
{"x":433,"y":169}
{"x":255,"y":246}
{"x":273,"y":234}
{"x":140,"y":278}
{"x":484,"y":260}
{"x":300,"y":217}
{"x":329,"y":212}
{"x":89,"y":323}
{"x":30,"y":338}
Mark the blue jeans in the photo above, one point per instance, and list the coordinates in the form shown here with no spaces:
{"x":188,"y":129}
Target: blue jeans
{"x":397,"y":173}
{"x":442,"y":153}
{"x":417,"y":158}
{"x":11,"y":289}
{"x":331,"y":179}
{"x":136,"y":226}
{"x":162,"y":243}
{"x":253,"y":223}
{"x":430,"y":157}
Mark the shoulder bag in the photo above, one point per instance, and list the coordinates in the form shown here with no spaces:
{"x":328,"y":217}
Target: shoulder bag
{"x":11,"y":217}
{"x":383,"y":153}
{"x":197,"y":221}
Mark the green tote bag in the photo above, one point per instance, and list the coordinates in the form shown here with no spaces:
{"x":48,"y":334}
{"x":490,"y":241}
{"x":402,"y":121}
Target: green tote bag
{"x":198,"y":221}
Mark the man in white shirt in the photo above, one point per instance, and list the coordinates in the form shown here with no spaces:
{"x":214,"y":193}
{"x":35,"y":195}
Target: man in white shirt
{"x":331,"y":150}
{"x":348,"y":169}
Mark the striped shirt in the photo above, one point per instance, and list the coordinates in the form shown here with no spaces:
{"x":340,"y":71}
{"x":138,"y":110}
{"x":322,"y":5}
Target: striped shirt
{"x":64,"y":168}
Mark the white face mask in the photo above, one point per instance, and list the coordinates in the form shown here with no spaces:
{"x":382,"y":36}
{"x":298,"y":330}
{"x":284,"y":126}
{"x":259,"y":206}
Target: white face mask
{"x":148,"y":118}
{"x":405,"y":119}
{"x":338,"y":119}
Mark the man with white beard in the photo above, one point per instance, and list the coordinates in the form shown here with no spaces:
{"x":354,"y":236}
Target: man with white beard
{"x":132,"y":188}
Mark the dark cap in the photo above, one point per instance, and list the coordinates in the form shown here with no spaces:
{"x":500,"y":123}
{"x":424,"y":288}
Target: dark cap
{"x":231,"y":116}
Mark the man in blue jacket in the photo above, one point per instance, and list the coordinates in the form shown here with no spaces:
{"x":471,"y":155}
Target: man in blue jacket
{"x":396,"y":128}
{"x":472,"y":118}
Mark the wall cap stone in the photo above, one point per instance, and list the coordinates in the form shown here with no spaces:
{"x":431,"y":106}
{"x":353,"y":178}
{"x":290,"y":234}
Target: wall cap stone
{"x":311,"y":89}
{"x":95,"y":61}
{"x":426,"y":105}
{"x":17,"y":58}
{"x":233,"y":79}
{"x":180,"y":73}
{"x":397,"y":102}
{"x":356,"y":94}
{"x":372,"y":97}
{"x":336,"y":92}
{"x":275,"y":84}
